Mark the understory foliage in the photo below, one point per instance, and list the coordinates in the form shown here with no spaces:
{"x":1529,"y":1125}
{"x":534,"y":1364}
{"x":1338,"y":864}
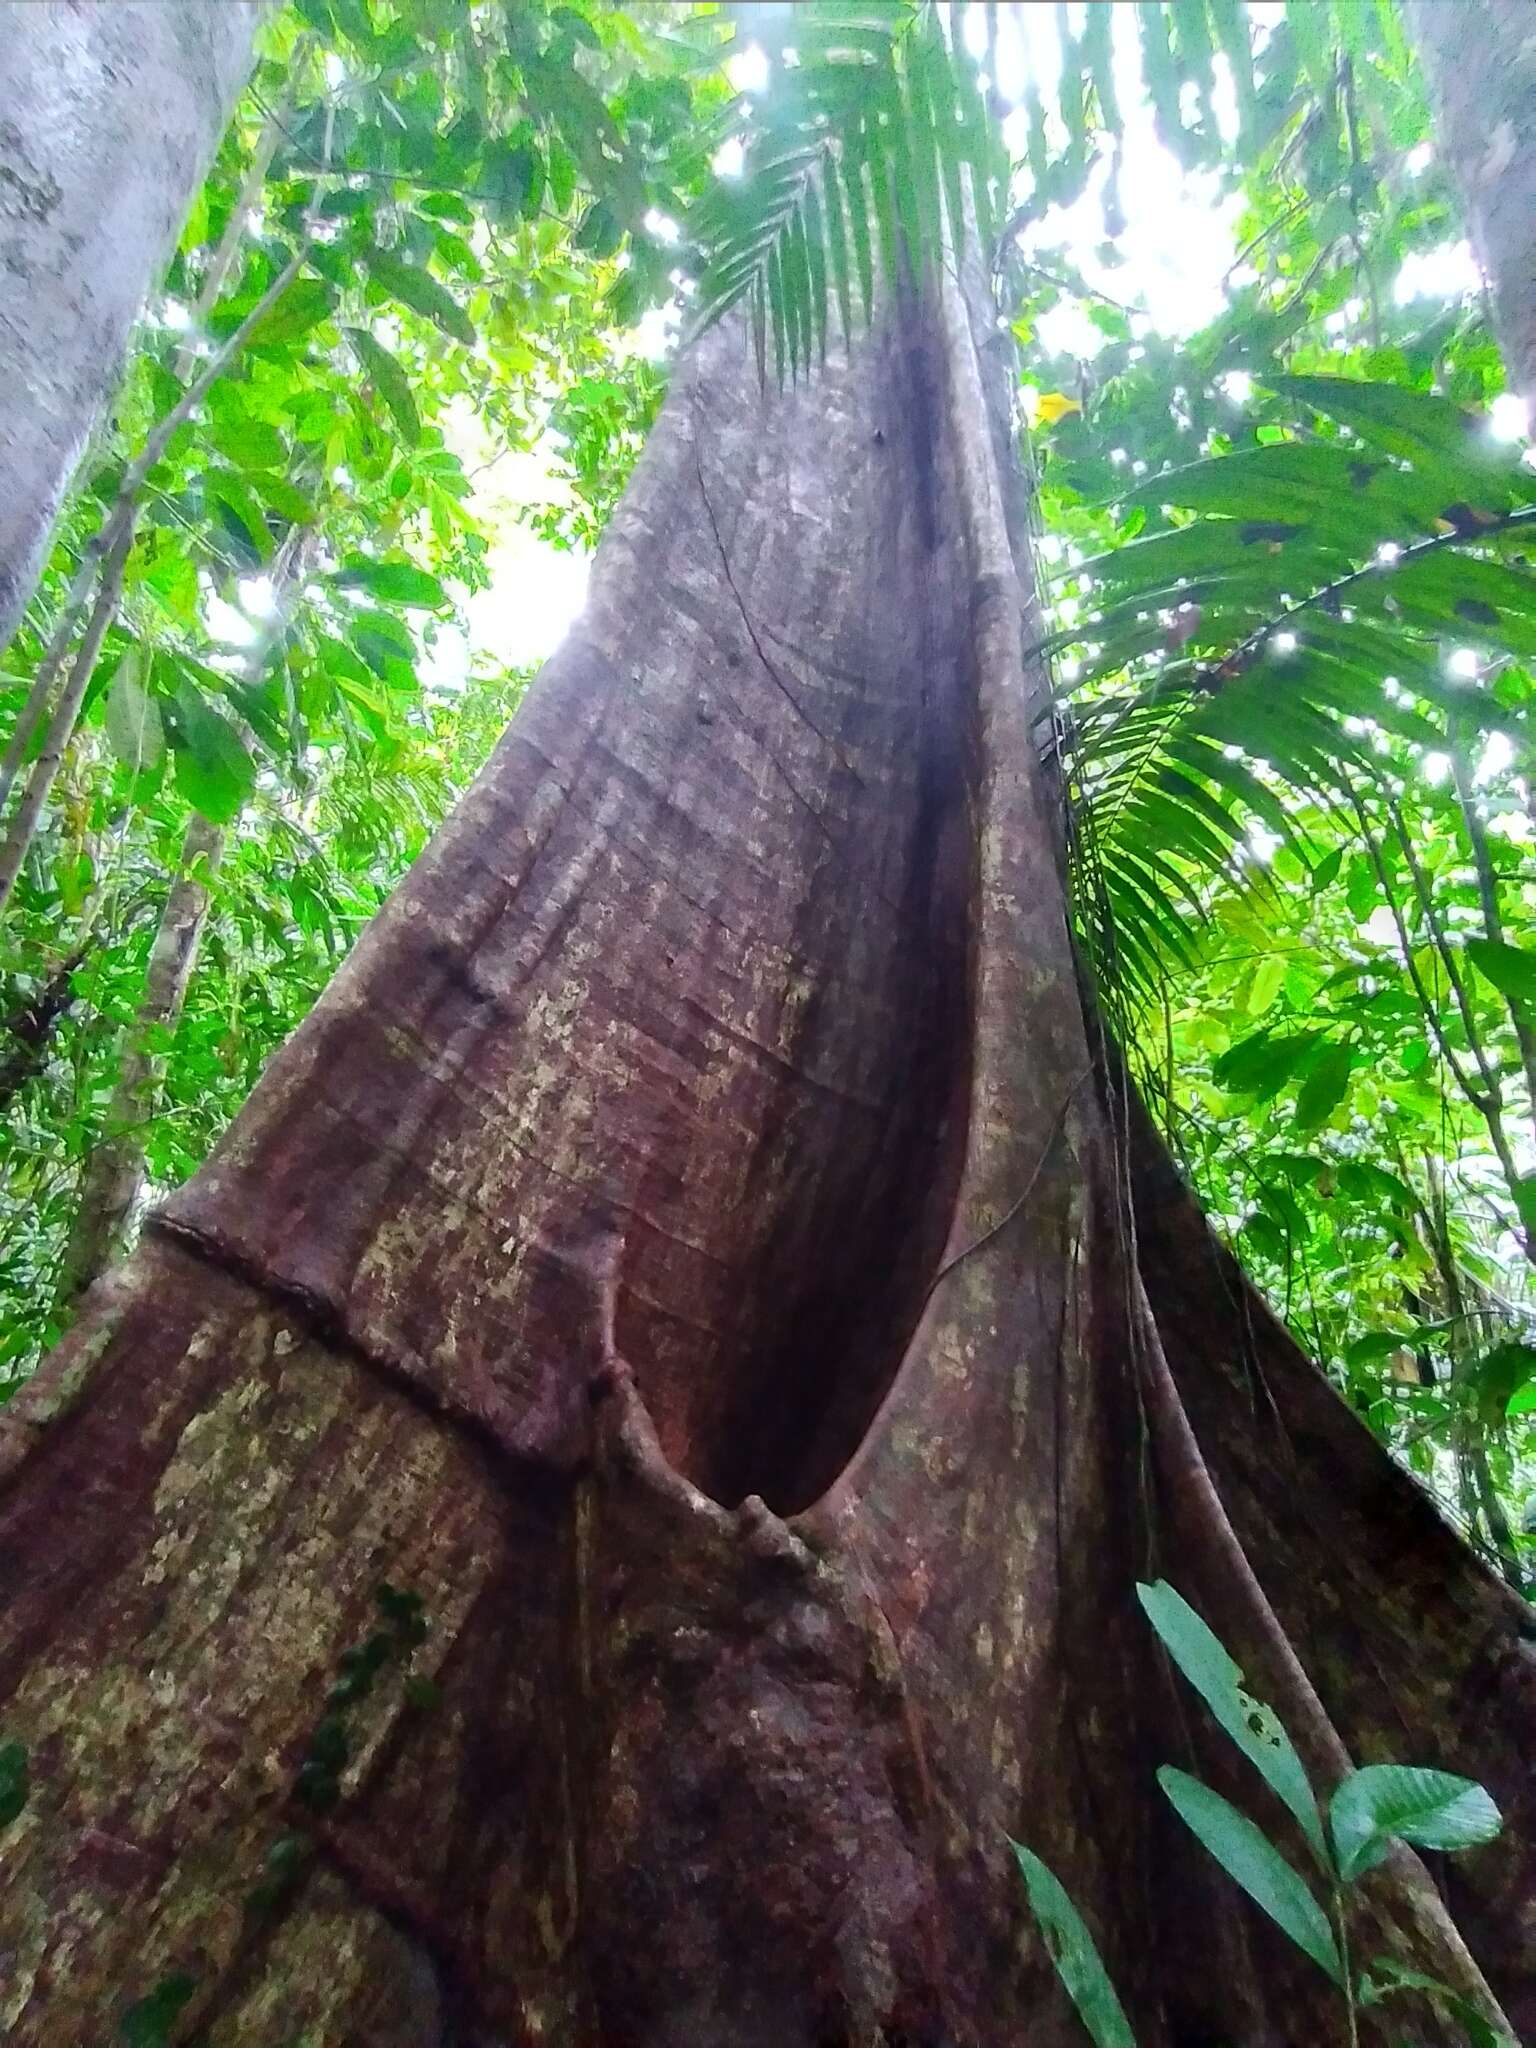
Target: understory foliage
{"x":1289,"y":599}
{"x":1370,"y":1810}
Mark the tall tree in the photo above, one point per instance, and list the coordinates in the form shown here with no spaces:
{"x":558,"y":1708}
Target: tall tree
{"x":90,"y":203}
{"x":620,"y":1484}
{"x":1483,"y":71}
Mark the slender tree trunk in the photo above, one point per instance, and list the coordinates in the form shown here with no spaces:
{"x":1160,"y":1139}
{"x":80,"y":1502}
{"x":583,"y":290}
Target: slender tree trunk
{"x":108,"y":119}
{"x":114,"y":1174}
{"x":1481,"y":61}
{"x":700,"y":1253}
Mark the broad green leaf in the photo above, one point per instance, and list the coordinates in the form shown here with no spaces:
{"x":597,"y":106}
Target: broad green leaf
{"x":1072,"y":1950}
{"x":394,"y":582}
{"x":420,"y":290}
{"x":858,"y":213}
{"x":1511,"y":969}
{"x":1253,"y":1726}
{"x":1251,"y":1860}
{"x":1098,"y":61}
{"x":1268,"y":977}
{"x":305,"y":303}
{"x":393,"y":386}
{"x":133,"y":719}
{"x":1324,"y":1088}
{"x":213,"y":771}
{"x":1403,"y":1802}
{"x":241,"y":517}
{"x":776,"y":307}
{"x":253,"y":444}
{"x":1523,"y":1400}
{"x":810,"y":235}
{"x":1262,"y":1063}
{"x":1162,"y":80}
{"x":1230,"y":23}
{"x":600,"y":230}
{"x":514,"y":174}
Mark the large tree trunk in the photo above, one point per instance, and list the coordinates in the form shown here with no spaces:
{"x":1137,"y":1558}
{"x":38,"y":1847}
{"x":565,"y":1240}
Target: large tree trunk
{"x":108,"y":118}
{"x":1481,"y":63}
{"x":699,"y":1249}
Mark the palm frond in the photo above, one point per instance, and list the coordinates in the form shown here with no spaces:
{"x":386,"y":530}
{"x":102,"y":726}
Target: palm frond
{"x":874,"y":138}
{"x":1246,"y":664}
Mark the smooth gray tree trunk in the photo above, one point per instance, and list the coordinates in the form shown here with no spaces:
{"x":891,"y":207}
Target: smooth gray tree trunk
{"x":1480,"y":56}
{"x":109,"y":116}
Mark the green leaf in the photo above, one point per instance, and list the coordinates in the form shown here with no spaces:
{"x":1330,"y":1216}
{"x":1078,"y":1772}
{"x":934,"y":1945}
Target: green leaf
{"x":420,"y":290}
{"x":1072,"y":1950}
{"x":391,"y":382}
{"x":1511,"y":969}
{"x":213,"y":770}
{"x":513,"y":175}
{"x":1254,"y":1727}
{"x":1495,"y":1374}
{"x":14,"y":1783}
{"x":148,"y":2021}
{"x":1262,"y":1063}
{"x":394,"y":582}
{"x":1388,"y":1976}
{"x":1324,"y":1088}
{"x":253,"y":444}
{"x":132,"y":717}
{"x":600,"y":231}
{"x":837,"y":247}
{"x":1415,"y":426}
{"x":1252,"y":1861}
{"x":241,"y":518}
{"x":305,"y":303}
{"x":1523,"y":1400}
{"x":1348,"y":497}
{"x":1403,"y":1802}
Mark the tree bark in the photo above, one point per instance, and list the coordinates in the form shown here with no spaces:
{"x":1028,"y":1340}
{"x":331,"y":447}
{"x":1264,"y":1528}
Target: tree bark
{"x":92,"y":194}
{"x":700,"y":1250}
{"x":1481,"y":64}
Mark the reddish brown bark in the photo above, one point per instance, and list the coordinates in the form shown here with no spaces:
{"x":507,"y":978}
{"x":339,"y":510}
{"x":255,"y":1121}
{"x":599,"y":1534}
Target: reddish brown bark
{"x":694,"y":1247}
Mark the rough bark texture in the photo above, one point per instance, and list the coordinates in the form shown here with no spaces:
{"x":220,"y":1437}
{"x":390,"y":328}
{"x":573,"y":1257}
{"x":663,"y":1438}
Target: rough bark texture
{"x":1481,"y":61}
{"x":696,"y":1248}
{"x":109,"y":116}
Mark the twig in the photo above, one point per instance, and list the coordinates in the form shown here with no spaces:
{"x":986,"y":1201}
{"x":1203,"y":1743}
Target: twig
{"x":24,"y":824}
{"x":234,"y":231}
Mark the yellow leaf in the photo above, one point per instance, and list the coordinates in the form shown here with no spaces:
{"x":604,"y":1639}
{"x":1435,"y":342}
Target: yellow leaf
{"x":1052,"y":406}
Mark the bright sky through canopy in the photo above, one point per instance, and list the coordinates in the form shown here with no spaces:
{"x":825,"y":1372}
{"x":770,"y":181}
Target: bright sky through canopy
{"x":1177,"y":251}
